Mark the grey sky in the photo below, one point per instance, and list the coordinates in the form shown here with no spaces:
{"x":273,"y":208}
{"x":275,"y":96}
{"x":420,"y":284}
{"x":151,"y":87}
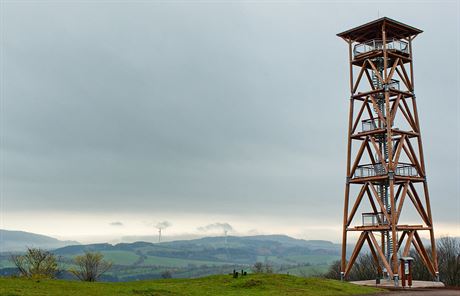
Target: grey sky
{"x":206,"y":108}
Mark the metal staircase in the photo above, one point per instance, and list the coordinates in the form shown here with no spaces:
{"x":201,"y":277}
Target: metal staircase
{"x":382,"y":188}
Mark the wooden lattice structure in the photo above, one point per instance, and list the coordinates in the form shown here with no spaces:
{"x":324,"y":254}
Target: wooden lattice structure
{"x":385,"y":163}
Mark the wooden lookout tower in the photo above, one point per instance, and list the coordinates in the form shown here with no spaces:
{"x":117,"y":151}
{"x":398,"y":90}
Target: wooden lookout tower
{"x":386,"y":178}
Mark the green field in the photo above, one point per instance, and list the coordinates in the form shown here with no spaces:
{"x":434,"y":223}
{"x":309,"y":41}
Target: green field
{"x":178,"y":262}
{"x":120,"y":257}
{"x":225,"y":285}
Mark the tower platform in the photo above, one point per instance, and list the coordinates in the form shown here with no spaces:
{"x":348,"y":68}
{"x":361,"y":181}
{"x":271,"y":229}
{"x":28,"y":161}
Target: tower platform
{"x":386,"y":284}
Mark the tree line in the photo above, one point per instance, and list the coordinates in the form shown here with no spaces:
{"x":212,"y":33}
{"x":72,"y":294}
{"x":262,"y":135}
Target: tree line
{"x":448,"y":251}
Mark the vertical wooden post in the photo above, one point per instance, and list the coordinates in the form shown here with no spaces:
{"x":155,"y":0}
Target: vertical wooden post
{"x":347,"y":185}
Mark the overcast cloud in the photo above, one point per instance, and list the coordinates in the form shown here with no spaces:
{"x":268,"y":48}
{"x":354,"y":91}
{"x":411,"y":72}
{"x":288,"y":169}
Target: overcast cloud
{"x":225,"y":109}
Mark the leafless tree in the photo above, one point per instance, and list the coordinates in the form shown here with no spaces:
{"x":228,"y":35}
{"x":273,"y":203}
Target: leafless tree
{"x":90,"y":266}
{"x":36,"y":263}
{"x":449,"y":260}
{"x":258,"y":267}
{"x":167,"y":274}
{"x":448,"y":251}
{"x":364,"y":268}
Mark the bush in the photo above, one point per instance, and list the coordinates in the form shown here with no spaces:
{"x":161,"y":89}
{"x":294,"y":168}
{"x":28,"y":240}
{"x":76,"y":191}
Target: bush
{"x":167,"y":274}
{"x":36,"y":263}
{"x":90,"y":266}
{"x":260,"y":267}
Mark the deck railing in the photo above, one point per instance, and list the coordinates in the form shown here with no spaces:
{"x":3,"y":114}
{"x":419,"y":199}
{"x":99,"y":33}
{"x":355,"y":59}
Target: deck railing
{"x":373,"y":170}
{"x":373,"y":219}
{"x":377,"y":44}
{"x":370,"y":124}
{"x":406,"y":170}
{"x":394,"y":84}
{"x":369,"y":170}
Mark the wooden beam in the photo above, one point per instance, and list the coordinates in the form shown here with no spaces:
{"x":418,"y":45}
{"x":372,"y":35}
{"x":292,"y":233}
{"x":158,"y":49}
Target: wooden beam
{"x":355,"y":253}
{"x":379,"y":201}
{"x":374,"y":255}
{"x":379,"y":153}
{"x":356,"y":204}
{"x":423,"y":252}
{"x":371,"y":83}
{"x":408,"y":244}
{"x":410,"y":87}
{"x":395,"y":64}
{"x":358,"y":79}
{"x":411,"y":123}
{"x":401,"y":202}
{"x":376,"y":71}
{"x":358,"y":117}
{"x":415,"y":123}
{"x":382,"y":256}
{"x":398,"y":151}
{"x":376,"y":107}
{"x":419,"y":208}
{"x":358,"y":157}
{"x":395,"y":108}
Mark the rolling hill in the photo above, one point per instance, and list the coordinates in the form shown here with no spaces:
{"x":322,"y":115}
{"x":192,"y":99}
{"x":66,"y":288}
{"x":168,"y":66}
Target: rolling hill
{"x":13,"y":241}
{"x":205,"y":256}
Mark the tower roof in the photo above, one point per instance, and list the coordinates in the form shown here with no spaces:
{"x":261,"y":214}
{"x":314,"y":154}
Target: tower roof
{"x":373,"y":30}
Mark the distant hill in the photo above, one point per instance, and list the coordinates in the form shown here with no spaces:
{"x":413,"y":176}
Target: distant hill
{"x":245,"y":249}
{"x":210,"y":255}
{"x":17,"y":241}
{"x":189,"y":258}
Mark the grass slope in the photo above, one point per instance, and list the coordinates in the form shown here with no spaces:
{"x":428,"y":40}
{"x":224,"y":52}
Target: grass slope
{"x":225,"y":285}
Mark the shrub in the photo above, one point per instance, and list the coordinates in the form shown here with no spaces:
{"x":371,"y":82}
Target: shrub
{"x":36,"y":263}
{"x":90,"y":266}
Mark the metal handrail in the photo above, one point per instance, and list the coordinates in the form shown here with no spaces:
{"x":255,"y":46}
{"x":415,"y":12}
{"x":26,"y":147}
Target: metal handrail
{"x":373,"y":219}
{"x":371,"y":124}
{"x":369,"y":170}
{"x":378,"y":169}
{"x":377,"y":44}
{"x":406,"y":170}
{"x":394,"y":84}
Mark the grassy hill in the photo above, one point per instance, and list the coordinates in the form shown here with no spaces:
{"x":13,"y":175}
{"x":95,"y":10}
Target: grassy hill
{"x":225,"y":285}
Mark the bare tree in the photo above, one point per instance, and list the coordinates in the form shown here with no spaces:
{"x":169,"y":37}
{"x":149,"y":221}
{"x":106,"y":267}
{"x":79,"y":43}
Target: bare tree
{"x":449,"y":260}
{"x":36,"y":263}
{"x":364,"y":268}
{"x":258,"y":267}
{"x":167,"y":274}
{"x":268,"y":268}
{"x":90,"y":266}
{"x":448,"y":251}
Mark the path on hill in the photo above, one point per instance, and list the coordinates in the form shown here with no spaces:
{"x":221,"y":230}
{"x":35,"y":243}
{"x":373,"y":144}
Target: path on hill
{"x":424,"y":292}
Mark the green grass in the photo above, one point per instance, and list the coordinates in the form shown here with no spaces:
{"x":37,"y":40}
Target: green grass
{"x":312,"y":270}
{"x":225,"y":285}
{"x":120,"y":257}
{"x":313,"y":259}
{"x":178,"y":262}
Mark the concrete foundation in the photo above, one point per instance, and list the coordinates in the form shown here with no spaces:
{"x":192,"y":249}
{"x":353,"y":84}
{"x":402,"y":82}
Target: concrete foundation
{"x":384,"y":283}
